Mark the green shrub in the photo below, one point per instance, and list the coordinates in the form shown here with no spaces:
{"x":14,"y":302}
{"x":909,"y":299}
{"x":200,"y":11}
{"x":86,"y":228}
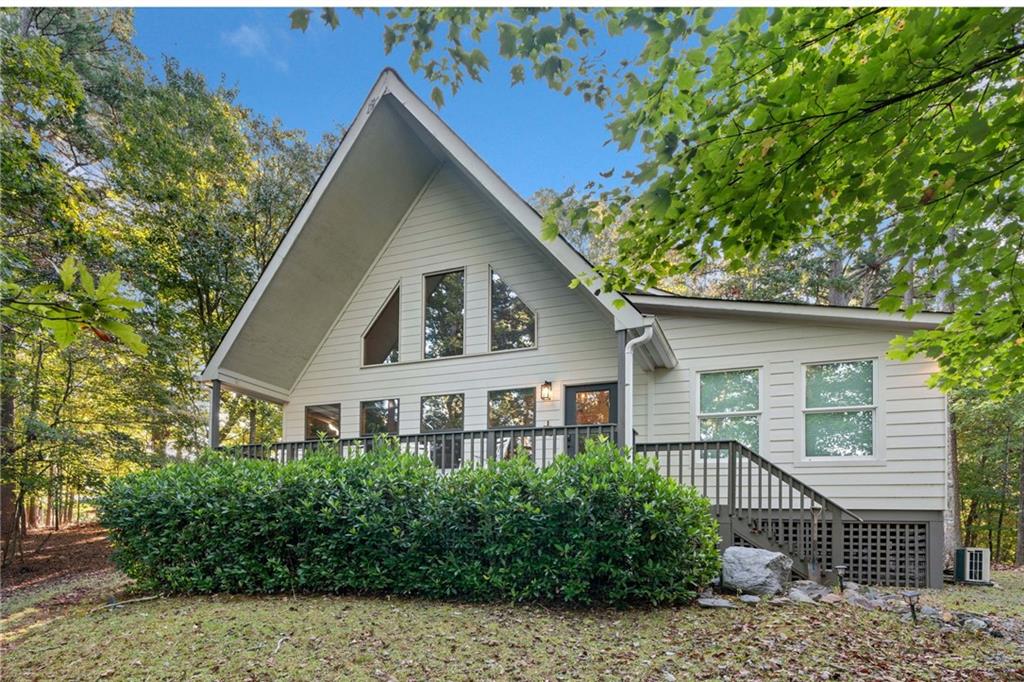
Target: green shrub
{"x":590,"y":528}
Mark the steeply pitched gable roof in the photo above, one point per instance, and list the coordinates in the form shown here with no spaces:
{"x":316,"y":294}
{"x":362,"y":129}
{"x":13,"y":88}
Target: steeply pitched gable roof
{"x":392,"y":148}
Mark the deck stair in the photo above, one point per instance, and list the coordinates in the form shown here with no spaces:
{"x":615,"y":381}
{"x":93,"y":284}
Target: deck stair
{"x":759,"y":504}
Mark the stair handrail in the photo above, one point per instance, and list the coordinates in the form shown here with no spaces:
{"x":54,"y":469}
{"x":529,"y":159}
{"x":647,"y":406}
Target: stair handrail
{"x":785,"y":476}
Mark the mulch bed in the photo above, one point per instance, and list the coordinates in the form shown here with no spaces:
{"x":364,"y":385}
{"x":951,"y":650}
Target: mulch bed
{"x":48,"y":556}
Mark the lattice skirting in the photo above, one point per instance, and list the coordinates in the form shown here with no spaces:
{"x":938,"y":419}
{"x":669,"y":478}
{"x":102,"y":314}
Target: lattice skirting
{"x":891,"y":553}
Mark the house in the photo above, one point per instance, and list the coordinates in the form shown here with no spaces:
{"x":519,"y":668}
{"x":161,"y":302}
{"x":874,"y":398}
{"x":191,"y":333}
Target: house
{"x":413,"y":295}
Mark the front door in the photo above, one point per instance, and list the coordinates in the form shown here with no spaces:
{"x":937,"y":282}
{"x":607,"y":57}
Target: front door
{"x":589,"y":405}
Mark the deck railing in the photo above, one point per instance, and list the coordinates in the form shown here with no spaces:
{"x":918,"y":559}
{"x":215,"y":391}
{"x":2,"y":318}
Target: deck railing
{"x":453,"y":449}
{"x":758,"y":501}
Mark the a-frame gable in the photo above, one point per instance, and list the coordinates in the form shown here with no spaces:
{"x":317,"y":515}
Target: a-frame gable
{"x":392,"y":148}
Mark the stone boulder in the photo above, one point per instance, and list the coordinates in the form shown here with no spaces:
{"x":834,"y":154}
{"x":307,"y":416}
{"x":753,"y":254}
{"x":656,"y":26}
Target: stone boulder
{"x":755,"y":571}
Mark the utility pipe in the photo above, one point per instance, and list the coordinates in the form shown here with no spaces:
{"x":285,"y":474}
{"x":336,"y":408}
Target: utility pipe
{"x":628,"y":388}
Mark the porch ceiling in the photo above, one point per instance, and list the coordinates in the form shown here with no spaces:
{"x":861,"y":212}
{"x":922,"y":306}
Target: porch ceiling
{"x":347,"y":226}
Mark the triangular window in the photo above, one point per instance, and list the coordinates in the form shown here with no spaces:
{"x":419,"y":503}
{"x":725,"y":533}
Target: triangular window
{"x":513,"y":324}
{"x":380,"y":342}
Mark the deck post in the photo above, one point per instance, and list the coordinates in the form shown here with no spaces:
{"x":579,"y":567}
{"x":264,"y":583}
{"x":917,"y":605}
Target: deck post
{"x":215,"y":414}
{"x":621,"y":437}
{"x":838,"y":540}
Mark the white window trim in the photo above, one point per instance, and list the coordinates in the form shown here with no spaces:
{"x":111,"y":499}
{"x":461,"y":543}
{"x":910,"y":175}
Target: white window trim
{"x":373,"y":321}
{"x":697,"y":415}
{"x":423,"y":312}
{"x":877,"y":422}
{"x":490,"y":316}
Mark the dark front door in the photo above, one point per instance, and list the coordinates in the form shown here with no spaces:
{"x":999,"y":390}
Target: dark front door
{"x":591,"y":404}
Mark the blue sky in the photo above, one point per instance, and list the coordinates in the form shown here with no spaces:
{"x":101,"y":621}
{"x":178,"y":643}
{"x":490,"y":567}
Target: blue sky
{"x":532,"y":136}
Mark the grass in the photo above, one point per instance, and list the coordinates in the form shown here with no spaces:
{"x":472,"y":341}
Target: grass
{"x":352,"y":637}
{"x":1005,"y":598}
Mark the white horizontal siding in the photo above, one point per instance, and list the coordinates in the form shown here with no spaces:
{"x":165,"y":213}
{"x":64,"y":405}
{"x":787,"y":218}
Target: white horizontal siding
{"x":453,"y":226}
{"x":910,"y":471}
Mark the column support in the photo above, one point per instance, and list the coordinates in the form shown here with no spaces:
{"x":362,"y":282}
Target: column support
{"x":620,"y":417}
{"x":215,"y":414}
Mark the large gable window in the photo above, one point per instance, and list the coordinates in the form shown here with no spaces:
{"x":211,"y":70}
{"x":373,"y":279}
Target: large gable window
{"x":444,"y":318}
{"x":323,"y":421}
{"x":380,"y":342}
{"x":839,"y":409}
{"x":378,"y":416}
{"x":513,"y":324}
{"x":511,"y":407}
{"x":729,"y":406}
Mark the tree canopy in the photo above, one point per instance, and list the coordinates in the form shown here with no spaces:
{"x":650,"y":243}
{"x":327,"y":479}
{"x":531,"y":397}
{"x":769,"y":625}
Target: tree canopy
{"x":892,"y":130}
{"x":171,"y":189}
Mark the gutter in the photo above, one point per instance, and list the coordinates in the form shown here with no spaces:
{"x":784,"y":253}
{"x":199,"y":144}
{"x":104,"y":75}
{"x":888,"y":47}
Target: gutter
{"x":627,"y":425}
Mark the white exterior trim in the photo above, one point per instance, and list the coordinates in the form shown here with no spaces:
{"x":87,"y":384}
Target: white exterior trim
{"x":795,"y":311}
{"x":760,"y":412}
{"x":877,"y":457}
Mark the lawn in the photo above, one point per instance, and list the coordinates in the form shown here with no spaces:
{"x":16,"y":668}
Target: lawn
{"x":61,"y":630}
{"x":1005,"y":598}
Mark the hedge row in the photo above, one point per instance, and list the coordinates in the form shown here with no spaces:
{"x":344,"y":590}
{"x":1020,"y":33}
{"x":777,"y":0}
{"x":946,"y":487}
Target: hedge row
{"x":590,"y":528}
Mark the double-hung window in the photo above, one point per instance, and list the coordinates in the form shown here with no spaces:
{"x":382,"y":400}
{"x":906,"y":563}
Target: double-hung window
{"x":729,"y":406}
{"x":839,"y":409}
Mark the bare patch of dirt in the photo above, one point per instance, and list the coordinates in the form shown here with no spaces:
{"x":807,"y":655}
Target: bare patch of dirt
{"x":48,"y":556}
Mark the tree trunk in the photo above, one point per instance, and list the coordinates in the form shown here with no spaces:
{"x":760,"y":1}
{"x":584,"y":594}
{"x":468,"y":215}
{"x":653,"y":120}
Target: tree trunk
{"x":837,"y":293}
{"x":1018,"y":556}
{"x":908,"y":295}
{"x":954,"y":513}
{"x":252,"y":422}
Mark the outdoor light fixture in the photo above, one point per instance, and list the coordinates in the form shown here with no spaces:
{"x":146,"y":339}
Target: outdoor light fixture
{"x":911,"y":599}
{"x":545,"y":391}
{"x":841,"y":573}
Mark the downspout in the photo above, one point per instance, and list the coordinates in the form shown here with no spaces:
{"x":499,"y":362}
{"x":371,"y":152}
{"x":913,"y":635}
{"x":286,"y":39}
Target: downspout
{"x":627,"y":424}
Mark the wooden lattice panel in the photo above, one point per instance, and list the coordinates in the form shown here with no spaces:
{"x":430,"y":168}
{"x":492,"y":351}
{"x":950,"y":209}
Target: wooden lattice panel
{"x":887,"y":553}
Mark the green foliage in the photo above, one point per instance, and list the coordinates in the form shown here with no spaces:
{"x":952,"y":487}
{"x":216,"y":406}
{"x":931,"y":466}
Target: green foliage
{"x":592,"y":528}
{"x":77,"y":303}
{"x":990,"y":452}
{"x":897,"y":130}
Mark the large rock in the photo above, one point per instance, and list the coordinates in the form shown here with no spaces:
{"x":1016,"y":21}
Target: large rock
{"x":755,"y":571}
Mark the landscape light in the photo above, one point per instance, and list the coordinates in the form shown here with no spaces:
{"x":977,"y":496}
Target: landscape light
{"x":911,"y":599}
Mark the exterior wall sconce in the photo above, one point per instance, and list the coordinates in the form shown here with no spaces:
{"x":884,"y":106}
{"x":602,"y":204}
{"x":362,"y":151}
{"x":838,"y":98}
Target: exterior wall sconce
{"x":545,"y":391}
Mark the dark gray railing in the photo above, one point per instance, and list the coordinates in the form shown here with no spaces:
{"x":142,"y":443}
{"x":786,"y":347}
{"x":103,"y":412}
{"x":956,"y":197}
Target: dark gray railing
{"x":757,"y":500}
{"x":453,"y":449}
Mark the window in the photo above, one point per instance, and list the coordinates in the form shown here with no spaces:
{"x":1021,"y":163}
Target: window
{"x":444,"y":314}
{"x":323,"y":421}
{"x":729,"y":406}
{"x":442,"y":412}
{"x":512,"y":407}
{"x":513,"y":324}
{"x":839,"y":409}
{"x":380,"y":342}
{"x":378,"y":416}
